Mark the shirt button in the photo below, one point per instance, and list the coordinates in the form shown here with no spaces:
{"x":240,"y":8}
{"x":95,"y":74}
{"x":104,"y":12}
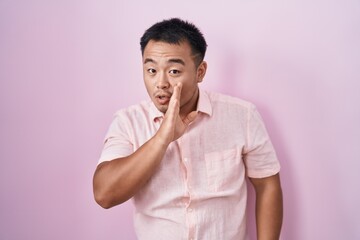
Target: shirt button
{"x":185,"y":160}
{"x":190,"y":210}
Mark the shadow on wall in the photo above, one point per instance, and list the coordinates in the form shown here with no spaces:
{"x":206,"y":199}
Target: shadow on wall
{"x":291,"y":205}
{"x":230,"y":69}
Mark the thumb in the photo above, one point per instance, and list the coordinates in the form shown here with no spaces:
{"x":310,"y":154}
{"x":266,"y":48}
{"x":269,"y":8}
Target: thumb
{"x":190,"y":117}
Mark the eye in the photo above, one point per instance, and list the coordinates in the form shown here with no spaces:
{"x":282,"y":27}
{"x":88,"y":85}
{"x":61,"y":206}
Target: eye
{"x":174,"y":71}
{"x":151,"y":71}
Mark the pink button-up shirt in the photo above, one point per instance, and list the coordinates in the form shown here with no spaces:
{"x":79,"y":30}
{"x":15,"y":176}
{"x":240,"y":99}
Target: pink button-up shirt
{"x":199,"y":189}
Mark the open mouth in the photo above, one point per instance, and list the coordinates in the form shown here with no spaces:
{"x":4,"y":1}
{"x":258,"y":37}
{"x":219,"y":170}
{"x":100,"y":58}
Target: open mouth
{"x":163,"y":99}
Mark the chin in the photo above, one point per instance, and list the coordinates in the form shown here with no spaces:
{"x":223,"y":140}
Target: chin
{"x":162,"y":109}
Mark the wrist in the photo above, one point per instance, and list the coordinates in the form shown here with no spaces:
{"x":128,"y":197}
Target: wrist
{"x":161,"y":141}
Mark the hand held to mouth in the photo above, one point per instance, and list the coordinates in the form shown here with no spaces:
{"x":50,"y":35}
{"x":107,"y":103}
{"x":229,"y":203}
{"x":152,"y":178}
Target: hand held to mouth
{"x":173,"y":126}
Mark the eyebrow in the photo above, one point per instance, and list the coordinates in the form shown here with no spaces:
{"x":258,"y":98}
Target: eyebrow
{"x":177,"y":60}
{"x":171,"y":60}
{"x":147,"y":60}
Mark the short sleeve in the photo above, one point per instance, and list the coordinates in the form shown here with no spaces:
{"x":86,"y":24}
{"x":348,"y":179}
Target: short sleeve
{"x":259,"y":155}
{"x":117,"y":141}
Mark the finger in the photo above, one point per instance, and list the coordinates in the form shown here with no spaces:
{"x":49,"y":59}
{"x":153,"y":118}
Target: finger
{"x":174,"y":104}
{"x":177,"y":91}
{"x":175,"y":100}
{"x":173,"y":109}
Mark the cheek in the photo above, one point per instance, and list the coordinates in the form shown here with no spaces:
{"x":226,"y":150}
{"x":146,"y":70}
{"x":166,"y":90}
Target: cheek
{"x":187,"y":80}
{"x":148,"y":81}
{"x":188,"y":90}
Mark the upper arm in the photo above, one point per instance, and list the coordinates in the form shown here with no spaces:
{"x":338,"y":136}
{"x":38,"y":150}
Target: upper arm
{"x":259,"y":154}
{"x":117,"y":142}
{"x":266,"y":183}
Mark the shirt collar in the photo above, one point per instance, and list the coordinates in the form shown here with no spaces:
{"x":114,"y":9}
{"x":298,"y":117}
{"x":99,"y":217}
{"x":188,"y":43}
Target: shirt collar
{"x":203,"y":105}
{"x":155,"y":114}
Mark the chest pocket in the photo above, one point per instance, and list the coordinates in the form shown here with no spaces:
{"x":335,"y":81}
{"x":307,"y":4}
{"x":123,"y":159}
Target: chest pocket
{"x":223,"y":169}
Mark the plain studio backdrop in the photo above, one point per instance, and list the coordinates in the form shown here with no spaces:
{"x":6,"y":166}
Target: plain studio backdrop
{"x":67,"y":66}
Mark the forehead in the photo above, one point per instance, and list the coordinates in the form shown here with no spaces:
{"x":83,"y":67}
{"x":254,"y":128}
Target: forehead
{"x":158,"y":50}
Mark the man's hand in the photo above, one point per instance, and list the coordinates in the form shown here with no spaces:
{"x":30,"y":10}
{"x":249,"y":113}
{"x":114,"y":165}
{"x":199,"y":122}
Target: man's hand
{"x":173,"y":126}
{"x":118,"y":180}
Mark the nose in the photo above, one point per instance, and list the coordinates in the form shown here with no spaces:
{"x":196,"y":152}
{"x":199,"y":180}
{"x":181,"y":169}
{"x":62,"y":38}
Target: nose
{"x":162,"y":82}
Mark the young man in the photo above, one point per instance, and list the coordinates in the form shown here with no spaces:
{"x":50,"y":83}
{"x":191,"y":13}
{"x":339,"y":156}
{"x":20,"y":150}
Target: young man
{"x":184,"y":155}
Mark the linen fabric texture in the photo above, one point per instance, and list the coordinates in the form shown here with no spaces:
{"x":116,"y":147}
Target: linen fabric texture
{"x":199,"y":189}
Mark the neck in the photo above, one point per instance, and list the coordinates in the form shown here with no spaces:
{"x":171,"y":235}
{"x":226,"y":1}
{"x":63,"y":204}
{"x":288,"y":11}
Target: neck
{"x":191,"y":105}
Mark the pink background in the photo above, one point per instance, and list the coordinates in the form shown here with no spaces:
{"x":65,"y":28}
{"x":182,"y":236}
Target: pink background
{"x":67,"y":66}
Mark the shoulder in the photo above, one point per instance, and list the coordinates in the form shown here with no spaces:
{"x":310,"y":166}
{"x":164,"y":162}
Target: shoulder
{"x":141,"y":107}
{"x":228,"y":100}
{"x":134,"y":113}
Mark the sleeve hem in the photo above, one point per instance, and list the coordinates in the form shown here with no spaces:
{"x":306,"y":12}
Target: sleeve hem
{"x":264,"y":174}
{"x":108,"y":157}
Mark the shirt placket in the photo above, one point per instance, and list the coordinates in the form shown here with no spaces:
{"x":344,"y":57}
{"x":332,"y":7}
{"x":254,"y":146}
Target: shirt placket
{"x":189,"y":206}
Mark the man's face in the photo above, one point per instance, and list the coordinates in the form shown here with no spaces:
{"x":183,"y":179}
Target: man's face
{"x":166,"y":64}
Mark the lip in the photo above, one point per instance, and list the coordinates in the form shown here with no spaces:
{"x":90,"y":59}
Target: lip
{"x":163,"y":98}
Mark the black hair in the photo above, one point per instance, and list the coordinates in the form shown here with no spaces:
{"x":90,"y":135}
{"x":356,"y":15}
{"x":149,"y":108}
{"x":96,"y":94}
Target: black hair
{"x":175,"y":31}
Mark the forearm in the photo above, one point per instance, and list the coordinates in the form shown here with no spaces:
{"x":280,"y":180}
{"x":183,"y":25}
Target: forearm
{"x":269,"y":209}
{"x":118,"y":180}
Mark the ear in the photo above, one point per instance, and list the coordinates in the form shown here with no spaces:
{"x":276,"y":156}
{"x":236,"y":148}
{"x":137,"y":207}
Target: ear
{"x":201,"y":71}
